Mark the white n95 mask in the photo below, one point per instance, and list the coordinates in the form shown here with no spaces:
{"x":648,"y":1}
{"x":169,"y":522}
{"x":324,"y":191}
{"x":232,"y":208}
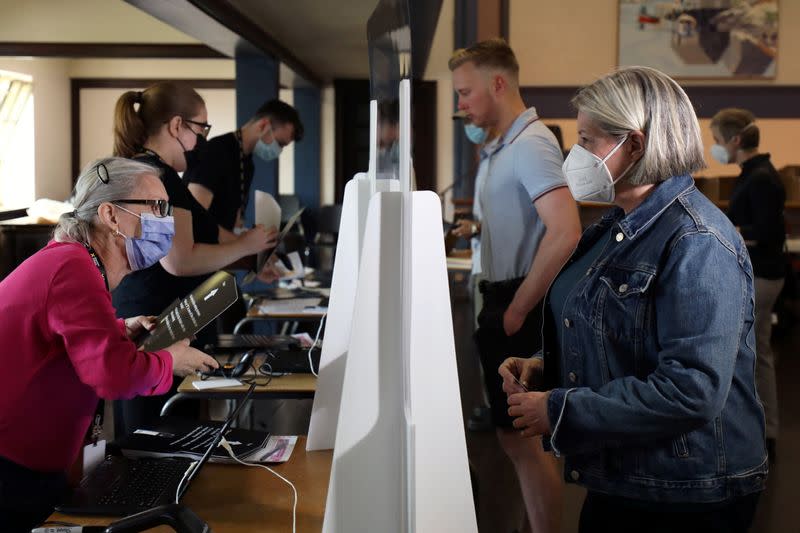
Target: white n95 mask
{"x":588,"y":177}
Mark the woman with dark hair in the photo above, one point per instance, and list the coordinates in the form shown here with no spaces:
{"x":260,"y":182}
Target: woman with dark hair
{"x":162,"y":126}
{"x":756,"y":209}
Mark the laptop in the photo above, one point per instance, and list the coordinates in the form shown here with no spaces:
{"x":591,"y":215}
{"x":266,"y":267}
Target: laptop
{"x":120,"y":486}
{"x":291,"y":361}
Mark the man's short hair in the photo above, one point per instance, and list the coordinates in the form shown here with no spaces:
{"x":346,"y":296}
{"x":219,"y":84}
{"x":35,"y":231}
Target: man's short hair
{"x":492,"y":53}
{"x":279,"y":112}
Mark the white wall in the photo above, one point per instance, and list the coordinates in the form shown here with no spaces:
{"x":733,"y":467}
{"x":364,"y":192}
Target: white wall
{"x":327,"y":162}
{"x":85,"y":21}
{"x":286,"y":159}
{"x":51,"y":112}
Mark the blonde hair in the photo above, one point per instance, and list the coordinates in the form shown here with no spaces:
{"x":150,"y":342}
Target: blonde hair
{"x":491,"y":53}
{"x":733,"y":121}
{"x":123,"y":177}
{"x":645,"y":99}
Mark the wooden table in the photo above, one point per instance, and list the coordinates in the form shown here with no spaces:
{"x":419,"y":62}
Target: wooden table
{"x":286,"y":310}
{"x":236,"y":498}
{"x":290,"y":386}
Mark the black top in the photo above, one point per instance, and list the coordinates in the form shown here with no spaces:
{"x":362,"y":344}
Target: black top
{"x":226,"y":171}
{"x":756,"y":207}
{"x":150,"y":291}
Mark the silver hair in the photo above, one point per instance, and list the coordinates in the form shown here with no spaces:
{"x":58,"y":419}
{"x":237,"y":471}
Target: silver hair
{"x":103,"y":180}
{"x":647,"y":100}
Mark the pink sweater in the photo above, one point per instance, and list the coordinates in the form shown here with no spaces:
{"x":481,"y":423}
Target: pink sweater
{"x":61,"y":348}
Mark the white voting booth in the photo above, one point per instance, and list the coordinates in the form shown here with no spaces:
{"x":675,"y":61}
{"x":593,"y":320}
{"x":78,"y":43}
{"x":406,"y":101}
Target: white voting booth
{"x":388,"y":397}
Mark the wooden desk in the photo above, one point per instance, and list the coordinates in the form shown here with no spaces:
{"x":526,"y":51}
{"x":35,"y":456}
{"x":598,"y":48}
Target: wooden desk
{"x":288,"y":310}
{"x":236,"y":498}
{"x":290,"y":386}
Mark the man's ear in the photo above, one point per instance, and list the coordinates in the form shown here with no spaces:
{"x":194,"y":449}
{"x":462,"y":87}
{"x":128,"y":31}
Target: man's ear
{"x":636,"y":145}
{"x":499,"y":85}
{"x":108,"y":215}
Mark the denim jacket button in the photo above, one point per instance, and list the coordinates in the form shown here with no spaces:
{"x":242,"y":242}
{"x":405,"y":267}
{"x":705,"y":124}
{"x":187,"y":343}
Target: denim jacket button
{"x":575,"y":475}
{"x":619,"y":237}
{"x":573,"y":377}
{"x":567,"y":323}
{"x":623,"y":287}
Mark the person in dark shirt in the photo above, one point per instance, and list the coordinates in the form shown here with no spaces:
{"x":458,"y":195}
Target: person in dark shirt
{"x":756,"y":209}
{"x":220,"y":178}
{"x":162,"y":126}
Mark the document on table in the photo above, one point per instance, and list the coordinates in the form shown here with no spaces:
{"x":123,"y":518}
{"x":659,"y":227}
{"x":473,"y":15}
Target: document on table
{"x":293,"y":306}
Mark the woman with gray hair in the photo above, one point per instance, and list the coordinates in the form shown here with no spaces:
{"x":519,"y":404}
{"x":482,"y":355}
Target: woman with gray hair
{"x":63,"y":346}
{"x":645,"y":381}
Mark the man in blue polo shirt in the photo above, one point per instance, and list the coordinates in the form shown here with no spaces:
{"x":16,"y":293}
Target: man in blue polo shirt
{"x":530,"y":226}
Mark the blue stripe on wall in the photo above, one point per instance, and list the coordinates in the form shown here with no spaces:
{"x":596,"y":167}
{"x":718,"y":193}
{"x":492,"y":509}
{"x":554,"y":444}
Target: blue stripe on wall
{"x":307,"y":101}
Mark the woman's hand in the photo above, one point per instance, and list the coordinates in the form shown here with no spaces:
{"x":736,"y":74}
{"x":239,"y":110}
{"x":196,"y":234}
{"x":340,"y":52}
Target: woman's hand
{"x":187,"y":360}
{"x":529,"y":410}
{"x":257,"y":239}
{"x":135,"y":325}
{"x":521,"y":374}
{"x":464,"y":228}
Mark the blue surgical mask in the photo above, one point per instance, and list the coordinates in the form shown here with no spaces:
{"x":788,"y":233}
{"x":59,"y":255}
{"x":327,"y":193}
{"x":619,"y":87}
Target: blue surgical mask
{"x":268,"y":152}
{"x":475,"y":134}
{"x":154,"y":244}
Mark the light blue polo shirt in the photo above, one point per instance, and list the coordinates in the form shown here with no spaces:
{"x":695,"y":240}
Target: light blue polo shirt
{"x":519,"y":167}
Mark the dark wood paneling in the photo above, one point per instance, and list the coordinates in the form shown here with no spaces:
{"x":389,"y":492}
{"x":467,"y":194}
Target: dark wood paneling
{"x":115,"y":50}
{"x":765,"y":101}
{"x":76,"y":84}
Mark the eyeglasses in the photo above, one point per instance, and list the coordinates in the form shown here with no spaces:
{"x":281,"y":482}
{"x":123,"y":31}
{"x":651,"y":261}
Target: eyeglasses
{"x":205,"y":125}
{"x":161,"y":208}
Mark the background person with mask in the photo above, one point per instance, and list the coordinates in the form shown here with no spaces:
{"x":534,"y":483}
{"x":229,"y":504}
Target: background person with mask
{"x":220,"y":178}
{"x":529,"y":227}
{"x":756,"y":209}
{"x":161,"y":127}
{"x":63,"y":342}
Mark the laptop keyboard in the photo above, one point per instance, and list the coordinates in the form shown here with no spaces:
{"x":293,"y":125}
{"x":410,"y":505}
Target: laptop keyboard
{"x":139,"y":483}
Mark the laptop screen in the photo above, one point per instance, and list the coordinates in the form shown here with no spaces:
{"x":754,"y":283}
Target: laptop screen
{"x":216,"y":441}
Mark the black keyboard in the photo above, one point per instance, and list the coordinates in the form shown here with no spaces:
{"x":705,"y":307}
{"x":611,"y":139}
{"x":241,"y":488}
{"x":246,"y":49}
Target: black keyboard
{"x":121,"y":486}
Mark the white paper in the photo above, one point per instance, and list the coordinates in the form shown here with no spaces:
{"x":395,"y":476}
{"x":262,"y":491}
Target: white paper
{"x":216,"y":383}
{"x":297,"y":270}
{"x":268,"y":212}
{"x":278,"y":450}
{"x":93,"y":456}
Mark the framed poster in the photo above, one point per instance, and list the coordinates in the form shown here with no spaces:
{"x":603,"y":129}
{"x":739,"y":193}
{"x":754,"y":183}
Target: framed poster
{"x":700,"y":38}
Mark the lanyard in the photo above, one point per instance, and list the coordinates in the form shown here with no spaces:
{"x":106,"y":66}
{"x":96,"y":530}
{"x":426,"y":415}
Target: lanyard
{"x":241,"y":170}
{"x":99,"y":264}
{"x":97,"y":423}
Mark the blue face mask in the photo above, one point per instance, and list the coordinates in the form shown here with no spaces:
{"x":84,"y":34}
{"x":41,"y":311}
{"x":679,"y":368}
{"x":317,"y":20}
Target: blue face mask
{"x":153,"y":245}
{"x":475,"y":134}
{"x":268,"y":152}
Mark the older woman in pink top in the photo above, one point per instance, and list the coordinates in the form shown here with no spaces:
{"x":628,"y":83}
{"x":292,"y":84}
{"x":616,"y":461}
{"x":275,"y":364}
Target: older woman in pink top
{"x":61,"y":346}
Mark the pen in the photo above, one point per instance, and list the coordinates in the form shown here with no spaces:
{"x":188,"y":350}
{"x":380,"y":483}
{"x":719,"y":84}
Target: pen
{"x":518,"y":382}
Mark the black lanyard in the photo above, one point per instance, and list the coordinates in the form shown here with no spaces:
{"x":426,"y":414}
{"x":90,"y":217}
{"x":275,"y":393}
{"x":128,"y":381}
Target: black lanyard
{"x":98,"y":263}
{"x":241,"y":170}
{"x":97,"y":423}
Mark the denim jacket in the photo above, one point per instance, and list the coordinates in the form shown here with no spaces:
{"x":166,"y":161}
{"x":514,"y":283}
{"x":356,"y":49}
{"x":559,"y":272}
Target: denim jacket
{"x":654,"y":384}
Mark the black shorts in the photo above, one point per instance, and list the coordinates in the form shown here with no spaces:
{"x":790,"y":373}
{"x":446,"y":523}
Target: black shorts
{"x":494,"y":346}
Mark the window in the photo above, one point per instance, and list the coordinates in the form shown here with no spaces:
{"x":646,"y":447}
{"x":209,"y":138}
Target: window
{"x":17,"y":186}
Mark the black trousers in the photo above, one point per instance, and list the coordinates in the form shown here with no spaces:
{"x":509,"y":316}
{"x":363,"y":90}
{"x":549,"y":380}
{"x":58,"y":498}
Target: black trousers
{"x":494,"y":346}
{"x":602,"y":513}
{"x":27,"y":497}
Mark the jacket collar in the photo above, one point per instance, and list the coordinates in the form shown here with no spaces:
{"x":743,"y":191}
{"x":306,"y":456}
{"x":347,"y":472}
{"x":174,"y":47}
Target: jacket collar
{"x":663,"y":196}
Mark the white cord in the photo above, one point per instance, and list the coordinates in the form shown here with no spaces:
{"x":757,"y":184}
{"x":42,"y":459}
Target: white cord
{"x":185,"y":475}
{"x":316,"y":340}
{"x":225,"y":444}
